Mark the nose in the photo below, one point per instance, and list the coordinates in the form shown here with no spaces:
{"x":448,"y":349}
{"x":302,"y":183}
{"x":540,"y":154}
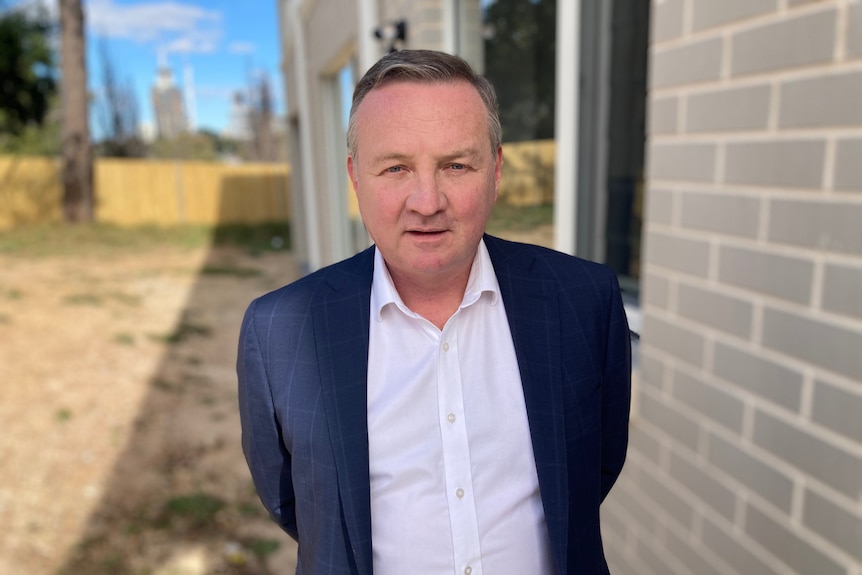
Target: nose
{"x":427,"y":197}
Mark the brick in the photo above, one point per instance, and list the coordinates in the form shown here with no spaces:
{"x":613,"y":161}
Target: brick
{"x":663,"y":116}
{"x":848,"y":165}
{"x":687,"y":162}
{"x":631,"y":505}
{"x":676,"y":425}
{"x":771,"y":381}
{"x":711,"y":402}
{"x":740,"y":109}
{"x":655,"y":290}
{"x":643,"y":442}
{"x":619,"y":562}
{"x":689,"y":64}
{"x":750,"y":470}
{"x":788,"y":545}
{"x":824,"y":101}
{"x":785,"y":164}
{"x":854,"y":31}
{"x":689,"y":553}
{"x":667,"y":497}
{"x":666,"y":20}
{"x":780,"y":276}
{"x":828,"y":346}
{"x":708,"y":13}
{"x":802,"y":41}
{"x":655,"y":558}
{"x":726,"y":313}
{"x":612,"y":522}
{"x":837,"y":523}
{"x":821,"y":460}
{"x":660,"y":206}
{"x":703,"y":484}
{"x":676,"y":340}
{"x":838,"y":410}
{"x":797,"y":3}
{"x":722,"y":213}
{"x":842,"y":290}
{"x":830,"y":227}
{"x":682,"y":254}
{"x":735,"y":552}
{"x":651,"y":371}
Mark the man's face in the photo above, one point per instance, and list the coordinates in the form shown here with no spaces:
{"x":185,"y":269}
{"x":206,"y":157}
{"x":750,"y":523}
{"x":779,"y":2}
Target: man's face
{"x":425,"y":176}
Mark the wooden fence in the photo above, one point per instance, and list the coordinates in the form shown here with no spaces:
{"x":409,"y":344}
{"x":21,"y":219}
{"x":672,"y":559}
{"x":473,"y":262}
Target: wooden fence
{"x":131,"y":192}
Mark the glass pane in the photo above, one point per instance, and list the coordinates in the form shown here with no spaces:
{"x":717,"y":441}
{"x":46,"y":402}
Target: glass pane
{"x":513,"y":43}
{"x":520,"y":60}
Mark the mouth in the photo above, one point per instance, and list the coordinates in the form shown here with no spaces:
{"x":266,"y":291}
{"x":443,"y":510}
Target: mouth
{"x":428,"y":232}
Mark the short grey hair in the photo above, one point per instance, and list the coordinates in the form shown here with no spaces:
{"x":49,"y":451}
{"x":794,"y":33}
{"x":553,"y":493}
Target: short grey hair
{"x":424,"y":66}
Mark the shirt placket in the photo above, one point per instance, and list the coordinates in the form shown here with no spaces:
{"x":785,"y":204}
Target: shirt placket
{"x":456,"y":455}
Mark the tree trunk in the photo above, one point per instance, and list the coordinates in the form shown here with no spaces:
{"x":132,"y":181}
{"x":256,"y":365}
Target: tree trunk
{"x":77,"y":151}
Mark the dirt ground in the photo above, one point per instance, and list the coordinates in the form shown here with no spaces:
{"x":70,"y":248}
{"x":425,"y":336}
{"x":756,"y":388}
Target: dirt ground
{"x":119,"y":434}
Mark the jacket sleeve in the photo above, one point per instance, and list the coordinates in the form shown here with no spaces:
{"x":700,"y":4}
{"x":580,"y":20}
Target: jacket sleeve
{"x":268,"y":459}
{"x":616,"y":391}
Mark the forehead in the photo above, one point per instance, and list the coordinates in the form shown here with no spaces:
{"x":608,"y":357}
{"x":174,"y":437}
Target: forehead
{"x":413,"y":107}
{"x":398,"y":95}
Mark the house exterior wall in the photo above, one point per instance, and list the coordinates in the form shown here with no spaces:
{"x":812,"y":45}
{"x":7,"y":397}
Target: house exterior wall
{"x":314,"y":49}
{"x":746,"y":439}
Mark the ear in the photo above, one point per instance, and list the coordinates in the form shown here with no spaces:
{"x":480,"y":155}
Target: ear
{"x":351,"y":172}
{"x":498,"y":171}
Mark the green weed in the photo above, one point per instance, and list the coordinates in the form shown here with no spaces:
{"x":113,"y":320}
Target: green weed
{"x":124,"y":338}
{"x":83,"y":299}
{"x":199,"y":509}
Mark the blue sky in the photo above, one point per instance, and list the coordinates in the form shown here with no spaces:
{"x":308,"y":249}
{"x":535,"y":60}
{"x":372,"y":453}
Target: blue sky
{"x":219,"y":44}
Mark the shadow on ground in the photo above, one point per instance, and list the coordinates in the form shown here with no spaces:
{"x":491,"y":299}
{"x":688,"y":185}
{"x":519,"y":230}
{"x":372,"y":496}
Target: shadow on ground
{"x":180,"y":499}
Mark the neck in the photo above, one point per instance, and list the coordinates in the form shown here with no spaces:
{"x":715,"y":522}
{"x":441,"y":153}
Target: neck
{"x":436,"y":299}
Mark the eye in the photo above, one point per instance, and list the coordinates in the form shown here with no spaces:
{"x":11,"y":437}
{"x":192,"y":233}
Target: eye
{"x":394,"y":169}
{"x":457,"y":166}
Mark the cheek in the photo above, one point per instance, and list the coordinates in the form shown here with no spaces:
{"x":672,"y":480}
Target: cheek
{"x":378,"y":206}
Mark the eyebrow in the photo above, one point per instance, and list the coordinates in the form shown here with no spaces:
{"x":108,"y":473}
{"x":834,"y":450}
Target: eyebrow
{"x":396,"y":156}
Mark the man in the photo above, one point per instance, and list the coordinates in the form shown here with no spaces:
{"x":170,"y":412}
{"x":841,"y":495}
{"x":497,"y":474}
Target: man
{"x":445,"y":401}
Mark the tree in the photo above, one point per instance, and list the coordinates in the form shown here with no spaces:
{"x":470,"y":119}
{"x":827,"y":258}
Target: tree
{"x":78,"y":204}
{"x":27,"y":82}
{"x":118,"y":114}
{"x":264,"y":145}
{"x":520,"y":60}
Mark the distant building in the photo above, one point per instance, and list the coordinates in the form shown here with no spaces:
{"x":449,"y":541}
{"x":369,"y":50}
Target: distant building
{"x":168,"y":106}
{"x":239,"y":121}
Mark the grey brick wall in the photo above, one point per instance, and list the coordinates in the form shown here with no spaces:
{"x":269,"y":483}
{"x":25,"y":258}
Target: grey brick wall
{"x":746,"y":441}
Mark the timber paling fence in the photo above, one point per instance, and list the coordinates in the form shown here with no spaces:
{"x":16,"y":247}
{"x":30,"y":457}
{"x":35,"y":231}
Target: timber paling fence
{"x":136,"y":192}
{"x":167,"y":192}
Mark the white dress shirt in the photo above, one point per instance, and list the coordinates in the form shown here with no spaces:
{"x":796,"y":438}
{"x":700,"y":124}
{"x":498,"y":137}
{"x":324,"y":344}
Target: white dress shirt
{"x":454,"y":488}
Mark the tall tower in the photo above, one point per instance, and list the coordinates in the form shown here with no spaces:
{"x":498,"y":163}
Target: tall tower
{"x":168,"y":105}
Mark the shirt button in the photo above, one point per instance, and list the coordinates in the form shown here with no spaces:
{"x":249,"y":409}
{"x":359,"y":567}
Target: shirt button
{"x":468,"y":570}
{"x":459,"y":492}
{"x":451,"y":418}
{"x":445,"y":347}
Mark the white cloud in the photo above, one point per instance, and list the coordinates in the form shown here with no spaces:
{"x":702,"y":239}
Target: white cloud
{"x":171,"y":26}
{"x":242,"y":48}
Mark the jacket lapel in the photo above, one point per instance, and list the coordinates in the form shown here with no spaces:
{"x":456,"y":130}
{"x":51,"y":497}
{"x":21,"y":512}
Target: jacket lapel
{"x":531,"y":307}
{"x":341,"y":315}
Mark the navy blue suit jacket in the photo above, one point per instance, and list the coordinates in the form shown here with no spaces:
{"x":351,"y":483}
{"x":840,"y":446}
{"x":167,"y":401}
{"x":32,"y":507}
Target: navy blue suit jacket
{"x":302,"y":366}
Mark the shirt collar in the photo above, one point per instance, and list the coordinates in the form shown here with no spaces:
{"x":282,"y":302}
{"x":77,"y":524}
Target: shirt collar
{"x":482,"y":280}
